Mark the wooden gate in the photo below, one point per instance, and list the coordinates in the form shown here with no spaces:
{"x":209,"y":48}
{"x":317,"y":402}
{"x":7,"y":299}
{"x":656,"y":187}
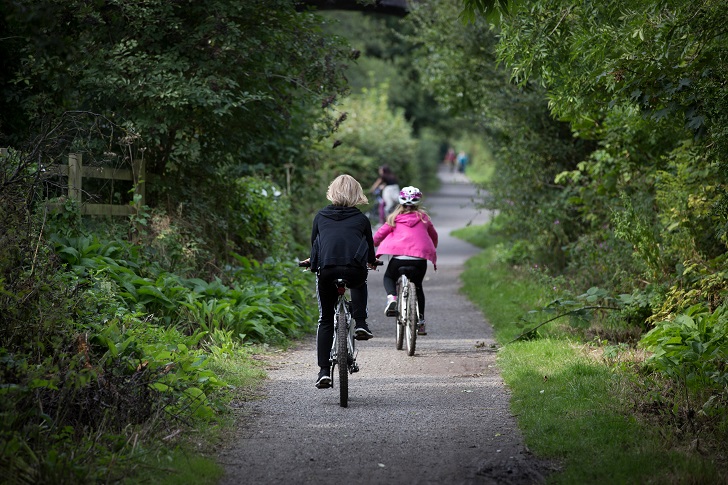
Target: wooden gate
{"x":76,"y":172}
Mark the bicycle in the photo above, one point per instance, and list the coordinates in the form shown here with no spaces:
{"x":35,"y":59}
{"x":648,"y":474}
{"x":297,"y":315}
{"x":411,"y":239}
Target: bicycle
{"x":343,"y":348}
{"x":407,"y":311}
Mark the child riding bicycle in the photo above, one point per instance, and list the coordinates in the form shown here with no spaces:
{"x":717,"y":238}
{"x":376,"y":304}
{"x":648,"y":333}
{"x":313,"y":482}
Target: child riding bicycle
{"x":341,"y":247}
{"x":410,"y":237}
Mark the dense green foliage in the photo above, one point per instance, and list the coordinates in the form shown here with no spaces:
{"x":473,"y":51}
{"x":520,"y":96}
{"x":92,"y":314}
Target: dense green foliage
{"x":384,"y":56}
{"x":205,"y":93}
{"x":204,"y":84}
{"x":607,"y":126}
{"x":102,"y":344}
{"x":108,"y":337}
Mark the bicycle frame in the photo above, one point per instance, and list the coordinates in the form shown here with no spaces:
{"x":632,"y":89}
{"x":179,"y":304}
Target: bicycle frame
{"x":343,"y":307}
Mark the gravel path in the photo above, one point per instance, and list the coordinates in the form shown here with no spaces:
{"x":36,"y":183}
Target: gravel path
{"x":441,"y":416}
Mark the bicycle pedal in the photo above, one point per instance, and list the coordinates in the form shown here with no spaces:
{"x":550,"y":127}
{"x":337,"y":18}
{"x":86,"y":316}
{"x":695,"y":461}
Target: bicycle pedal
{"x":354,"y":367}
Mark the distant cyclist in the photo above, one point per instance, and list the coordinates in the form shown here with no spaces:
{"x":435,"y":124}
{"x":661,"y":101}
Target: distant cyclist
{"x":385,"y":188}
{"x":341,"y":247}
{"x":410,"y":237}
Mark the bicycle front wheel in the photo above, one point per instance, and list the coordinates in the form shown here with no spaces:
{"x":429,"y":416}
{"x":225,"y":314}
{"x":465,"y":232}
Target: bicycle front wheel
{"x":342,"y":354}
{"x":411,"y":322}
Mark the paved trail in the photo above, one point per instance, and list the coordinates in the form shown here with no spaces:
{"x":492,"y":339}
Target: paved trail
{"x":439,"y":417}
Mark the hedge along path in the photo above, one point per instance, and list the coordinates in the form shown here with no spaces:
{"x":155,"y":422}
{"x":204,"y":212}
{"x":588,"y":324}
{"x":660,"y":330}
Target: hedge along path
{"x":441,"y":416}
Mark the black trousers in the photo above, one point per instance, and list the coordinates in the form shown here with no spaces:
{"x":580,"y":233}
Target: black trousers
{"x":327,"y":297}
{"x":417,"y":275}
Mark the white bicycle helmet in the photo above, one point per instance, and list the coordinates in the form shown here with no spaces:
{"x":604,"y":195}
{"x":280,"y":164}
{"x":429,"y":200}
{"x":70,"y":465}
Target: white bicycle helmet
{"x":410,"y":196}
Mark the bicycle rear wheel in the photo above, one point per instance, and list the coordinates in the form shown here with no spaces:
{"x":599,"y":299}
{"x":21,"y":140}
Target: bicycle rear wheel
{"x":400,"y":321}
{"x":411,"y":322}
{"x":342,"y":354}
{"x":400,"y":335}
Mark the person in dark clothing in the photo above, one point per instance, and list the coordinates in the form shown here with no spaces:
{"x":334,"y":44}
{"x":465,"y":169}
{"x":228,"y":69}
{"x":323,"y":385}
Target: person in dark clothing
{"x":341,"y":247}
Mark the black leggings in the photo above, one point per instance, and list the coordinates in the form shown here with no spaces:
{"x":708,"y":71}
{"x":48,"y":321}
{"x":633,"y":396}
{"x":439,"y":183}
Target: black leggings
{"x":327,"y":298}
{"x":417,"y":275}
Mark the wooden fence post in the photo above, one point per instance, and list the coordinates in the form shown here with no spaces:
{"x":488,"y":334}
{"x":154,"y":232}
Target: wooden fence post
{"x":139,"y":176}
{"x":75,"y":176}
{"x":289,"y":169}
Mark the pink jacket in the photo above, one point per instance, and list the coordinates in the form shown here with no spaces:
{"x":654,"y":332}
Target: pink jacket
{"x":412,"y":235}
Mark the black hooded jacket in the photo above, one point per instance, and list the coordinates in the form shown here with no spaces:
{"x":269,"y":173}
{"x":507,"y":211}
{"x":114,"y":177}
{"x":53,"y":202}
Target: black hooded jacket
{"x":341,"y":236}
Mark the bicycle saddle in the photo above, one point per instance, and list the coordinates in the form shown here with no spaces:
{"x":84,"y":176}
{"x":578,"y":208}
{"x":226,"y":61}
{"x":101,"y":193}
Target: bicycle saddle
{"x":406,"y":270}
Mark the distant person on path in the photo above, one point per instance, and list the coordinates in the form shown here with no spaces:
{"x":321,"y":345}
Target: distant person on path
{"x":449,"y":159}
{"x":386,"y":190}
{"x":462,"y":161}
{"x":410,"y":237}
{"x":341,"y":247}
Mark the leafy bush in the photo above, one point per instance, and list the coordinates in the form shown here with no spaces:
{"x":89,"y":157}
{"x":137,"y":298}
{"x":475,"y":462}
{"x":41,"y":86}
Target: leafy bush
{"x":270,"y":303}
{"x":368,"y":116}
{"x":692,"y":347}
{"x":116,"y":379}
{"x":99,"y":352}
{"x":259,"y":219}
{"x":266,"y":301}
{"x":696,"y":283}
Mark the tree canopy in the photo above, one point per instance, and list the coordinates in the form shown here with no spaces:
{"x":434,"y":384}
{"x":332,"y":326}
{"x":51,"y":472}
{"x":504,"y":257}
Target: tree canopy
{"x":638,"y":88}
{"x":202,"y":83}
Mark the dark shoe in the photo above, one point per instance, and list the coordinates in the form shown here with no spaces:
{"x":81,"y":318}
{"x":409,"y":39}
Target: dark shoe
{"x":362,"y":332}
{"x":421,"y":328}
{"x":324,"y":379}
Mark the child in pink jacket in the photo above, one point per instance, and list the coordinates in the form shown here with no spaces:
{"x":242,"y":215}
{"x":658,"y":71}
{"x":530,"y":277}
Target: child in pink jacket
{"x":411,"y":239}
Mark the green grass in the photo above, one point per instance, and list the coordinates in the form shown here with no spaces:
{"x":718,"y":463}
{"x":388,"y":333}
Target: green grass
{"x":180,"y":466}
{"x":506,"y":293}
{"x":571,"y":407}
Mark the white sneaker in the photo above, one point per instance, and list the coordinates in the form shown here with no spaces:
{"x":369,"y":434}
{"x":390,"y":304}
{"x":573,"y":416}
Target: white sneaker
{"x":391,"y":309}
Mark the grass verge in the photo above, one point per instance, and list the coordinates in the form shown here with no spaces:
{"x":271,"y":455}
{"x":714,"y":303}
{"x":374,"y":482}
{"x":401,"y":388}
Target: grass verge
{"x":572,"y":406}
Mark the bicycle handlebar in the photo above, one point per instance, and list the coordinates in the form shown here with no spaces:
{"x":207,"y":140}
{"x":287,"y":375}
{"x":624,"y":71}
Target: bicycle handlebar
{"x":307,"y":264}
